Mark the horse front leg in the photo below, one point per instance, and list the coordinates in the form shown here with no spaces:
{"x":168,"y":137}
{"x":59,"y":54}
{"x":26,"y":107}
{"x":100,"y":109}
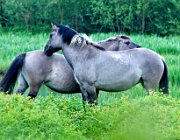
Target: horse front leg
{"x":89,"y":94}
{"x":84,"y":95}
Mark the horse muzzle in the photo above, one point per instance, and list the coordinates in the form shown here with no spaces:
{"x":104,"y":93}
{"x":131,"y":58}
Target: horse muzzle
{"x":49,"y":50}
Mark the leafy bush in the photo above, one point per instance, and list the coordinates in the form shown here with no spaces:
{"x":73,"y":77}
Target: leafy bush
{"x":152,"y":117}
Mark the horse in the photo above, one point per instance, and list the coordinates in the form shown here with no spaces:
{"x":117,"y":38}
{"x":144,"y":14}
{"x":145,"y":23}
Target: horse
{"x":118,"y":43}
{"x":95,"y":68}
{"x":34,"y":68}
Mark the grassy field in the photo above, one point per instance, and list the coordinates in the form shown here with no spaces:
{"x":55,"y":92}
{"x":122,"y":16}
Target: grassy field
{"x":148,"y":118}
{"x":126,"y":115}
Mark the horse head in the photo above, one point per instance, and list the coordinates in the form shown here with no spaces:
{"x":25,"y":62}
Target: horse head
{"x":59,"y":35}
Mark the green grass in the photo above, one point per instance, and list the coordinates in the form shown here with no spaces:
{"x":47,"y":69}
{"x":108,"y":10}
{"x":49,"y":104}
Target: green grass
{"x":125,"y":115}
{"x":12,"y":44}
{"x":148,"y":118}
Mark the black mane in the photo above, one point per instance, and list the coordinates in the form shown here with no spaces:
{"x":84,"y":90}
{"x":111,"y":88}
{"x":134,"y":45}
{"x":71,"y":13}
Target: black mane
{"x":67,"y":33}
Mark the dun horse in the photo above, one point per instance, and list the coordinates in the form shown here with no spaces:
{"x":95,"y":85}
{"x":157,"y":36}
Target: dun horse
{"x":96,"y":69}
{"x":118,"y":43}
{"x":35,"y":68}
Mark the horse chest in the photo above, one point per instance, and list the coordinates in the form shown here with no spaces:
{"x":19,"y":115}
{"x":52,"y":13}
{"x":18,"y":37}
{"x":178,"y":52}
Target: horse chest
{"x":84,"y":74}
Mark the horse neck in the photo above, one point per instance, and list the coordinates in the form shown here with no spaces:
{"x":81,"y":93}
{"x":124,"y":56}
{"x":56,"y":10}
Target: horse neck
{"x":70,"y":54}
{"x":114,"y":46}
{"x":110,"y":45}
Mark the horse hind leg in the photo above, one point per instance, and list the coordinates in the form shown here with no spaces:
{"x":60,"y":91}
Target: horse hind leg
{"x":149,"y":86}
{"x":34,"y":88}
{"x":22,"y":85}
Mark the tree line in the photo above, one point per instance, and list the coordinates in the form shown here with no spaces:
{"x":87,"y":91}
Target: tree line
{"x":131,"y":16}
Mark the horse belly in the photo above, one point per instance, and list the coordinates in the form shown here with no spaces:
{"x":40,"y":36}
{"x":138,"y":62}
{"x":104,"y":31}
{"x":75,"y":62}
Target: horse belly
{"x":121,"y":86}
{"x":119,"y":82}
{"x":60,"y":87}
{"x":60,"y":78}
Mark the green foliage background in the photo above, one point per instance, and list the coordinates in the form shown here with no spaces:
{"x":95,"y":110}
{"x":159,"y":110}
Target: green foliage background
{"x":140,"y":16}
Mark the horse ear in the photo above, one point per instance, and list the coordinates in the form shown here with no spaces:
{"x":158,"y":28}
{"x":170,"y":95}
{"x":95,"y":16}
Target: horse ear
{"x":67,"y":26}
{"x":125,"y":37}
{"x":53,"y":24}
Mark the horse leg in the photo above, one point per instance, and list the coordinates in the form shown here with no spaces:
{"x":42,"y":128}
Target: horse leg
{"x":97,"y":92}
{"x":84,"y":95}
{"x":89,"y":94}
{"x":22,"y":86}
{"x":149,"y":86}
{"x":34,"y":90}
{"x":92,"y":95}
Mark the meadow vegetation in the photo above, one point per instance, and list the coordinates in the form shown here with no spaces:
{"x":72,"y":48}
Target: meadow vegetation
{"x":152,"y":117}
{"x":126,"y":115}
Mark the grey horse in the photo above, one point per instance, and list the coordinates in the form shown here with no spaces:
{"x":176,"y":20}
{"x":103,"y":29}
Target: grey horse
{"x":34,"y":69}
{"x":118,"y":43}
{"x":94,"y":68}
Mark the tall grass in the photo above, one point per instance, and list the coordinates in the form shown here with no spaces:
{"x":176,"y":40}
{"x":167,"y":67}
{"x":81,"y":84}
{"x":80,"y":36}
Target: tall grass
{"x":12,"y":44}
{"x":124,"y":115}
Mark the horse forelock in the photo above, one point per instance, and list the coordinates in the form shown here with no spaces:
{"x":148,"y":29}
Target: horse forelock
{"x":87,"y":37}
{"x":78,"y":40}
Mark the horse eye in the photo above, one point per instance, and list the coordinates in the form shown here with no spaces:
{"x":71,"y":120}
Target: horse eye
{"x":51,"y":35}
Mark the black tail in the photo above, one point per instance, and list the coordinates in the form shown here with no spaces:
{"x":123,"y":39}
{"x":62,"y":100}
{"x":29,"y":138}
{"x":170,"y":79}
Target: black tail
{"x":163,"y":84}
{"x":9,"y":79}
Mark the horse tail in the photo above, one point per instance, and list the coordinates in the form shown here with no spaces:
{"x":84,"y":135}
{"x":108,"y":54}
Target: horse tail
{"x":9,"y":79}
{"x":163,"y":84}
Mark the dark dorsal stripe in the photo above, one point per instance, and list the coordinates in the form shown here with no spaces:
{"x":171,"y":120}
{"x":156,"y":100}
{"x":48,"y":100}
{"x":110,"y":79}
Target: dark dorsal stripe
{"x":97,"y":46}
